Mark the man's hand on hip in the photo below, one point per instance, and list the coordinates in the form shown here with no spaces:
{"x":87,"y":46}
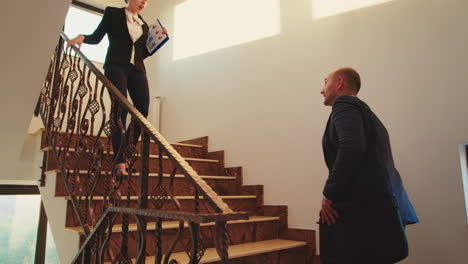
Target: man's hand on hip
{"x":328,"y":215}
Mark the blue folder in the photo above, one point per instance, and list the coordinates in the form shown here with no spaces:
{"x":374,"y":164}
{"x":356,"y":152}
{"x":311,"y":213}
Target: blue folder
{"x":156,"y":39}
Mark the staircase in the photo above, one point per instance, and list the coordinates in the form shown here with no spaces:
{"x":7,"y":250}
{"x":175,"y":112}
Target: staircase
{"x":262,"y":238}
{"x":177,"y":204}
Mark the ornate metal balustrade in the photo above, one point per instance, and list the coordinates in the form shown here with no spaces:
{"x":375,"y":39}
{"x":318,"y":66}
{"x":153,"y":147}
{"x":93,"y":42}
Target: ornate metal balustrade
{"x":75,"y":107}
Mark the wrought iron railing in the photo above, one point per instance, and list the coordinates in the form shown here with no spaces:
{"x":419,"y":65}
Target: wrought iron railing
{"x":79,"y":124}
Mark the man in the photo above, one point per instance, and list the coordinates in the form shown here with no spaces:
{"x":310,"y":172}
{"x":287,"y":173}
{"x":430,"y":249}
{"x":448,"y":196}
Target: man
{"x":365,"y":206}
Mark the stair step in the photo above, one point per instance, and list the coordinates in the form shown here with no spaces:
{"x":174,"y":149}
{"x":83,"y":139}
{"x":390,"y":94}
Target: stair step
{"x":239,"y":203}
{"x":151,"y":156}
{"x":47,"y":148}
{"x":238,"y":251}
{"x":166,"y":175}
{"x":201,"y":165}
{"x":175,"y":224}
{"x":222,"y":185}
{"x":183,"y":145}
{"x":195,"y":149}
{"x":152,"y":141}
{"x":100,"y":198}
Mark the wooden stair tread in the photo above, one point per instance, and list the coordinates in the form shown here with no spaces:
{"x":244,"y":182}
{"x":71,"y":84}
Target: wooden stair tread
{"x":151,"y":156}
{"x":117,"y":228}
{"x":177,"y":197}
{"x":183,"y":144}
{"x":152,"y":141}
{"x":172,"y":144}
{"x":152,"y":174}
{"x":237,"y":251}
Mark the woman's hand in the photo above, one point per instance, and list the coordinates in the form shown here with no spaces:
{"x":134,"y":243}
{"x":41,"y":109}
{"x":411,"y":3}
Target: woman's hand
{"x":76,"y":41}
{"x":164,"y":31}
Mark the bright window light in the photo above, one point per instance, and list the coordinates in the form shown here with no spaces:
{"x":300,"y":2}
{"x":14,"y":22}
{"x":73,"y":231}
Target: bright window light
{"x":325,"y":8}
{"x":83,"y":22}
{"x":19,"y":217}
{"x":463,"y":149}
{"x":206,"y":25}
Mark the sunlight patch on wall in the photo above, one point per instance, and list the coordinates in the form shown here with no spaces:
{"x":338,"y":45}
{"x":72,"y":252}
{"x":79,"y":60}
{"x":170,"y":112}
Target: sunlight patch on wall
{"x":201,"y":26}
{"x":326,"y":8}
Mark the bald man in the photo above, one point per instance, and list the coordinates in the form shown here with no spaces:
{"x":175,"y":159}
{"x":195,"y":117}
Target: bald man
{"x":365,"y":206}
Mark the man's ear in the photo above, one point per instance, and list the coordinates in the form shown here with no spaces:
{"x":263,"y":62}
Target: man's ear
{"x":340,"y":83}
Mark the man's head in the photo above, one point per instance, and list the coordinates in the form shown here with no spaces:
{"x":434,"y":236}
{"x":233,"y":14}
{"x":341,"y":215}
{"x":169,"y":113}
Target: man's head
{"x":342,"y":81}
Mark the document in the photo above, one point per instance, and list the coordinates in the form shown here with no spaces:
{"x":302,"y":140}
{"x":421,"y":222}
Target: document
{"x":156,"y":38}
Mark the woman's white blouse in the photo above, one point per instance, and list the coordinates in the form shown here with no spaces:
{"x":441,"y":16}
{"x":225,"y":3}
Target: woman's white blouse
{"x":135,"y":29}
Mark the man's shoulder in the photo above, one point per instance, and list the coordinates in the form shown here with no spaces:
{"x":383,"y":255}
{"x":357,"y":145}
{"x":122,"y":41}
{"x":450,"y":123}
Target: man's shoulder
{"x":347,"y":101}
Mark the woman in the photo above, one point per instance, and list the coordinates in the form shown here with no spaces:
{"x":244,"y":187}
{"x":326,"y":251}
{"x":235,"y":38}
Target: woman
{"x":124,"y":67}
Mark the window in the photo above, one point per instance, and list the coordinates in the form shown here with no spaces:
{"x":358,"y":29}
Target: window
{"x":23,"y":227}
{"x":463,"y":149}
{"x":83,"y":22}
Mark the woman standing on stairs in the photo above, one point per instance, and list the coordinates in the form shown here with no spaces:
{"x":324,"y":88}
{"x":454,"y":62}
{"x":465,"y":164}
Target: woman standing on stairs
{"x":124,"y":67}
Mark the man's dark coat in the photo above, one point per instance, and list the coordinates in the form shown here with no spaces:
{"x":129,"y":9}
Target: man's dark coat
{"x":365,"y":188}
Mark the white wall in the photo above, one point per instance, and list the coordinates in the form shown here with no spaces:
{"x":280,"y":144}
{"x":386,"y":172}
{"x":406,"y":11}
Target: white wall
{"x":260,"y":102}
{"x":29,"y":34}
